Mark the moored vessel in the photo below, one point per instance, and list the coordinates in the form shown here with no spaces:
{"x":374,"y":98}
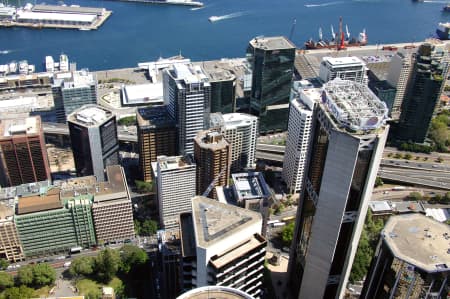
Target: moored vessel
{"x":443,"y":31}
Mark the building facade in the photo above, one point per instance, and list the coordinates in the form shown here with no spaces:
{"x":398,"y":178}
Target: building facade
{"x":212,"y":154}
{"x":422,"y":98}
{"x":71,"y":91}
{"x":347,"y":68}
{"x":398,"y":75}
{"x":10,"y":246}
{"x":298,"y":136}
{"x":187,"y":93}
{"x":411,"y":260}
{"x":222,"y":246}
{"x":241,"y":131}
{"x":157,"y":136}
{"x":223,"y":88}
{"x":272,"y":63}
{"x":348,"y":137}
{"x":93,"y":135}
{"x":23,"y":153}
{"x":176,"y":180}
{"x":111,"y":208}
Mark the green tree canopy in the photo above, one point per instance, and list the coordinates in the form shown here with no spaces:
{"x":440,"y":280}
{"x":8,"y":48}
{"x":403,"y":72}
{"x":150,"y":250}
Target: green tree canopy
{"x":415,"y":196}
{"x":4,"y":264}
{"x":6,"y":280}
{"x":148,"y":227}
{"x":132,"y":256}
{"x":107,"y":264}
{"x":288,"y":233}
{"x":82,"y":266}
{"x":22,"y":292}
{"x":25,"y":275}
{"x":43,"y":274}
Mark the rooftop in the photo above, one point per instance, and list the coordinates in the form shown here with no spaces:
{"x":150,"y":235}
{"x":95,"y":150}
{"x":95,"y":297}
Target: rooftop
{"x":90,"y":115}
{"x":38,"y":203}
{"x":143,"y":94}
{"x":154,"y":117}
{"x":53,"y":16}
{"x":12,"y":127}
{"x":217,"y":292}
{"x":173,"y":162}
{"x":189,"y":73}
{"x":215,"y":221}
{"x":353,"y":105}
{"x":419,"y":241}
{"x":231,"y":120}
{"x":68,"y":9}
{"x":217,"y":71}
{"x":343,"y":61}
{"x":250,"y":185}
{"x":272,"y":43}
{"x":211,"y":140}
{"x":78,"y":79}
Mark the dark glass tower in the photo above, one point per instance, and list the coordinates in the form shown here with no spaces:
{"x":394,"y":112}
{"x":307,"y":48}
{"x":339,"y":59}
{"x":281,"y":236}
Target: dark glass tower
{"x":272,"y":63}
{"x":423,"y":91}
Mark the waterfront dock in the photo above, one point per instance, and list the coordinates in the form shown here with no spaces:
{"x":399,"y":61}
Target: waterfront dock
{"x":52,"y":16}
{"x":168,"y":2}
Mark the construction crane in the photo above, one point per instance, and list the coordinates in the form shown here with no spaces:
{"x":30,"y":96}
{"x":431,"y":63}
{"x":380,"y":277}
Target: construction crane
{"x":291,"y":34}
{"x":213,"y":183}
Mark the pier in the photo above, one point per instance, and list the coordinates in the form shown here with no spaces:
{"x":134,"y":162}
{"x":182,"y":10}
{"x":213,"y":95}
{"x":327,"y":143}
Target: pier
{"x":51,"y":16}
{"x":168,"y":2}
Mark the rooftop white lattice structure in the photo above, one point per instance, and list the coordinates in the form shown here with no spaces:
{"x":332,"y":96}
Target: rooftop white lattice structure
{"x":353,"y":105}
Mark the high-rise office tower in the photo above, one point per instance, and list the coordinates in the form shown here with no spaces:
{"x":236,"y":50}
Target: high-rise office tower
{"x":93,"y":135}
{"x":423,"y":92}
{"x":223,"y":87}
{"x":298,"y":137}
{"x":212,"y":155}
{"x":222,"y":245}
{"x":187,"y":93}
{"x":71,"y":91}
{"x":348,"y":136}
{"x":23,"y":152}
{"x":10,"y":246}
{"x":111,"y":207}
{"x":157,"y":136}
{"x":241,"y":131}
{"x":411,"y":260}
{"x":346,"y":68}
{"x":272,"y":63}
{"x":176,"y":187}
{"x":398,"y":75}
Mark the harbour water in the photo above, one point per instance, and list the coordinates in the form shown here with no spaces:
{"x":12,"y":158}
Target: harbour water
{"x":139,"y":32}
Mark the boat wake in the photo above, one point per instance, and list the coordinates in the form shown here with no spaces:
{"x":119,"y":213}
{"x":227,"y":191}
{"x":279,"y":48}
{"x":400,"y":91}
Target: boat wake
{"x":197,"y":8}
{"x":4,"y":52}
{"x":324,"y":4}
{"x":225,"y":17}
{"x":433,"y":1}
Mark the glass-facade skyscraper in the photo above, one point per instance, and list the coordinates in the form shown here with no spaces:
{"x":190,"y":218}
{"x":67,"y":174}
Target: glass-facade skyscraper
{"x":272,"y":63}
{"x":423,"y":91}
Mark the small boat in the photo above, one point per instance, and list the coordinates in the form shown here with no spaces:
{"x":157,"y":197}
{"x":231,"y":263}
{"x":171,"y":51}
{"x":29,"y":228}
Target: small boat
{"x":49,"y":64}
{"x":214,"y":18}
{"x":31,"y":68}
{"x":84,"y":29}
{"x":63,"y":63}
{"x":443,"y":31}
{"x":446,"y":8}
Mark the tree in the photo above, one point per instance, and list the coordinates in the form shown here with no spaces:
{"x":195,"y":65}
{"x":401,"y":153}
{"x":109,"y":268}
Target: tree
{"x":25,"y":275}
{"x":4,"y":264}
{"x":6,"y":280}
{"x":378,"y":182}
{"x":22,"y":292}
{"x":288,"y":233}
{"x":132,"y":256}
{"x":143,"y":187}
{"x":107,"y":264}
{"x":148,"y":227}
{"x":82,"y":266}
{"x":408,"y":156}
{"x":43,"y":274}
{"x":415,"y":196}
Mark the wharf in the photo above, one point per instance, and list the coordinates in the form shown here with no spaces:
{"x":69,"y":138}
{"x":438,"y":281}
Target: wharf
{"x":169,"y":2}
{"x":99,"y":20}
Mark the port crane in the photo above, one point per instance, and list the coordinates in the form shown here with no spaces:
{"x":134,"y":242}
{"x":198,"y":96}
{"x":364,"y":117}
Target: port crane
{"x":213,"y":183}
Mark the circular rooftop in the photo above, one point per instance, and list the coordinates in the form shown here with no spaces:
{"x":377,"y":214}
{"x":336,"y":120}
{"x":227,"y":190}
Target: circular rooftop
{"x":218,"y":292}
